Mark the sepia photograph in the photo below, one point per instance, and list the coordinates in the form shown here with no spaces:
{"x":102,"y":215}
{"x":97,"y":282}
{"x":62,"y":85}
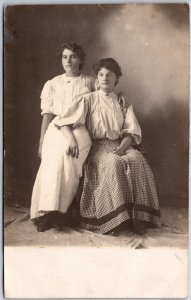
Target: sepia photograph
{"x":96,"y":150}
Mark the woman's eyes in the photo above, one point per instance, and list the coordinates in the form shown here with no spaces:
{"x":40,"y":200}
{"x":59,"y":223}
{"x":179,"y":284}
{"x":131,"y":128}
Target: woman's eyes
{"x":108,"y":75}
{"x":73,"y":57}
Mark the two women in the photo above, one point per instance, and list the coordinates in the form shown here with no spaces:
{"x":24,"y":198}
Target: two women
{"x":118,"y":183}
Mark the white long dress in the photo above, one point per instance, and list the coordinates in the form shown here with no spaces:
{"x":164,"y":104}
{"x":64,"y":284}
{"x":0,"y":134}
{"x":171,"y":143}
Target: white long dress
{"x":57,"y":179}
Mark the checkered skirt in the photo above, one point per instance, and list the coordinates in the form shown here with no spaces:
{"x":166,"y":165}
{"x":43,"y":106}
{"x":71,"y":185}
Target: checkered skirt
{"x":117,"y":189}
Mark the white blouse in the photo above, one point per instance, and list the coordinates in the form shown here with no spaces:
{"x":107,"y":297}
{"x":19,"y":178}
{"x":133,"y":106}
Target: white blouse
{"x":59,"y":93}
{"x":103,"y":116}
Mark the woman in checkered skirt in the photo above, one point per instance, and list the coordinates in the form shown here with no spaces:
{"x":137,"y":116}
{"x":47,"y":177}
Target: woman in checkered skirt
{"x":118,"y":184}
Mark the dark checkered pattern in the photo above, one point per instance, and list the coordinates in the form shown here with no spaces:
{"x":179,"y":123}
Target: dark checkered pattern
{"x":117,"y":189}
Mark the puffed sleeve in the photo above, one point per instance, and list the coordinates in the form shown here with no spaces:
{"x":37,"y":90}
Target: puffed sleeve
{"x":75,"y":115}
{"x":131,"y":126}
{"x":47,"y":98}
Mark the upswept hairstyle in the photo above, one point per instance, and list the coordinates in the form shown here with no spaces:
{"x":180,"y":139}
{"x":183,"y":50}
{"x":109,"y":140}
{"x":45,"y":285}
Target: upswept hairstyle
{"x":77,"y":49}
{"x":110,"y":64}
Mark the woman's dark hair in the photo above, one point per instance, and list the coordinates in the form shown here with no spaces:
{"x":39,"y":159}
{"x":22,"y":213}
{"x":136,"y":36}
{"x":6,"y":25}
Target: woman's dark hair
{"x":108,"y":63}
{"x":77,"y":49}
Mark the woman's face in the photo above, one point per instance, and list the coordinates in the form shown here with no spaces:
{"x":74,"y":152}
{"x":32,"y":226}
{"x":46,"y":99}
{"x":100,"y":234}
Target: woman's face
{"x":106,"y":80}
{"x":70,"y":62}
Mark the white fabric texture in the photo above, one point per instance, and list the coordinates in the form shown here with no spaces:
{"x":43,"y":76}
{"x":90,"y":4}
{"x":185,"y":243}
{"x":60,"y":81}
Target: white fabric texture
{"x":59,"y":93}
{"x":103,"y":116}
{"x":57,"y":180}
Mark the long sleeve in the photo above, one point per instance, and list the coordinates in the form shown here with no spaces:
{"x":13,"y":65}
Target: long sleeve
{"x":75,"y":115}
{"x":47,"y":98}
{"x":131,"y":126}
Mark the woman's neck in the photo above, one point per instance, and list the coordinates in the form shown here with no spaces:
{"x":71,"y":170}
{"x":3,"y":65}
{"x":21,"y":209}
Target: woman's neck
{"x":107,"y":91}
{"x":71,"y":74}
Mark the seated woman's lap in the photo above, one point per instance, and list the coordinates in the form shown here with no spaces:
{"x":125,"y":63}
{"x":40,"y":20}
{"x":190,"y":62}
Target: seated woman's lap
{"x":55,"y":147}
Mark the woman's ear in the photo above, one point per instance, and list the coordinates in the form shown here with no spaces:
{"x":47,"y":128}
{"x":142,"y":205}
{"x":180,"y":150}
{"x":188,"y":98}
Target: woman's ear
{"x":116,"y":81}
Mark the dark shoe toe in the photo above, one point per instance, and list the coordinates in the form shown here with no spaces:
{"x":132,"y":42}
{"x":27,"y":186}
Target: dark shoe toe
{"x":43,"y":224}
{"x":139,"y":227}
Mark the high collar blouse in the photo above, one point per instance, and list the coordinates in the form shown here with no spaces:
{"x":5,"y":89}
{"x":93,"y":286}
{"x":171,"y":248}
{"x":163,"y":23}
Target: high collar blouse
{"x":103,"y":116}
{"x":59,"y":93}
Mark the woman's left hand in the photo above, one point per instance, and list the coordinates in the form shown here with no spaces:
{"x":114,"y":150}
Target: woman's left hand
{"x":125,"y":144}
{"x":119,"y":151}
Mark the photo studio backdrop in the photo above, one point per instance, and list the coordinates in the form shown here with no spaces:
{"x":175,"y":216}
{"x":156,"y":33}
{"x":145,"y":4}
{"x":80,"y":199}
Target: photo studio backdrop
{"x":150,"y":42}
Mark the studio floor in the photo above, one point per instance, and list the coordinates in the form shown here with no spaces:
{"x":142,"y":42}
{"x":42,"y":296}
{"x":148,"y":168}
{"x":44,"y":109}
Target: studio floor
{"x":20,"y":231}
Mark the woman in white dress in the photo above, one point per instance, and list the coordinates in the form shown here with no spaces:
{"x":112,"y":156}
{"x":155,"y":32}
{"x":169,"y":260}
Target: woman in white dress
{"x":62,"y":156}
{"x":118,"y":184}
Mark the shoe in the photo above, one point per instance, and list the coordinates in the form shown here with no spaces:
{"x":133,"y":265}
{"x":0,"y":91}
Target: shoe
{"x":111,"y":233}
{"x":43,"y":223}
{"x":139,"y":227}
{"x":57,"y":220}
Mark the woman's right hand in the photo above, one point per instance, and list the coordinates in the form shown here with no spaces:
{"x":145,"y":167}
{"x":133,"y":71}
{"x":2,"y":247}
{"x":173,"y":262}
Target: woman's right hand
{"x":72,"y":148}
{"x":40,"y":150}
